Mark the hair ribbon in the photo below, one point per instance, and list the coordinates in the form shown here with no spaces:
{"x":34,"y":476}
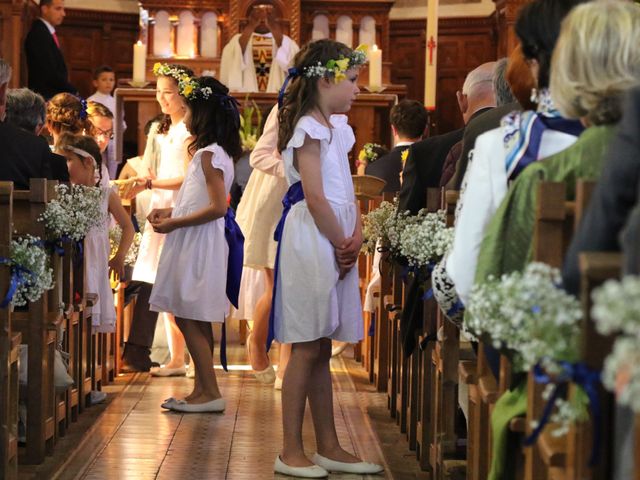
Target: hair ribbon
{"x":293,"y":72}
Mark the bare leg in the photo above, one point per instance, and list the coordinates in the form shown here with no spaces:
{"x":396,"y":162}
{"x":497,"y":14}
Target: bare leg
{"x":199,"y":338}
{"x":285,"y":354}
{"x":321,"y":404}
{"x":258,"y":340}
{"x":175,"y":341}
{"x":295,"y":386}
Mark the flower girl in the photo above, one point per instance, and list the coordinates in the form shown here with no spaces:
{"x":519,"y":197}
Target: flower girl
{"x":201,"y":261}
{"x":84,"y":162}
{"x":316,"y":294}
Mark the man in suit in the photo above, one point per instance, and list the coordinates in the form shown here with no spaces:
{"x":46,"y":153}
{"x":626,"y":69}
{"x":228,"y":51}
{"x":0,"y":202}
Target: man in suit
{"x":423,"y":169}
{"x":47,"y":69}
{"x":26,"y":110}
{"x":408,"y":121}
{"x":22,"y":154}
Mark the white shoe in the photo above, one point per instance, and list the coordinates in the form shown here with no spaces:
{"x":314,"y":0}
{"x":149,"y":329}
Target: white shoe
{"x":313,"y":471}
{"x":277,"y":385}
{"x":214,"y":406}
{"x":97,"y":396}
{"x":191,"y":370}
{"x":168,"y":372}
{"x":268,"y":375}
{"x":168,"y":402}
{"x":362,"y":468}
{"x":335,"y":351}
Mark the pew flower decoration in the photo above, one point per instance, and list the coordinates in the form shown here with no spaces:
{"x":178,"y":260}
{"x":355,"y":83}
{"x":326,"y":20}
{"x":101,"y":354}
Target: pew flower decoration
{"x":30,"y":270}
{"x":76,"y":210}
{"x":528,"y":314}
{"x":616,"y":309}
{"x":115,"y":234}
{"x":425,"y":242}
{"x":368,"y":154}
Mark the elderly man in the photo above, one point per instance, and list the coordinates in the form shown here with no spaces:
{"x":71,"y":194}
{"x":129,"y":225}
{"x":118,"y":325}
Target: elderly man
{"x":23,"y":155}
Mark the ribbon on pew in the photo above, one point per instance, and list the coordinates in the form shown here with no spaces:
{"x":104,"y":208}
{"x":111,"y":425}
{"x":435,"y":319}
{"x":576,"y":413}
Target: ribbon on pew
{"x":19,"y":276}
{"x":586,"y":378}
{"x":57,"y":246}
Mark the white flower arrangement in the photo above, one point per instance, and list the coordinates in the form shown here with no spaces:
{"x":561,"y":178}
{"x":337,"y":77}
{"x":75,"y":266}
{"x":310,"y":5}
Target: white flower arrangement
{"x":74,"y":212}
{"x":616,"y":309}
{"x":115,"y":234}
{"x":426,"y":241}
{"x":527,"y":313}
{"x":28,"y":255}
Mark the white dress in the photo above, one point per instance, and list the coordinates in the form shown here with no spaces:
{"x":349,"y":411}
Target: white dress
{"x":311,"y":302}
{"x":192,"y":273}
{"x":173,"y":152}
{"x":97,"y":251}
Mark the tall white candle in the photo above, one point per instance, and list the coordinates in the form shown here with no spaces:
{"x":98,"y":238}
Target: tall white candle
{"x":431,"y":55}
{"x":375,"y":68}
{"x":139,"y":62}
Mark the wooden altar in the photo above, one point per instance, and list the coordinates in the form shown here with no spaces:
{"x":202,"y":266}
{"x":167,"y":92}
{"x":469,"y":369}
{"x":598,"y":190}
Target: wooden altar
{"x":369,"y":115}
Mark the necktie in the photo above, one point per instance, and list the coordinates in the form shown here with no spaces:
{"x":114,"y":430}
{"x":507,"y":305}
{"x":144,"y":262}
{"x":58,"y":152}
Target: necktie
{"x":55,"y":39}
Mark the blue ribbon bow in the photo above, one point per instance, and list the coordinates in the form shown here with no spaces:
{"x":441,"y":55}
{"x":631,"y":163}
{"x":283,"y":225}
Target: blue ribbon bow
{"x":292,"y":73}
{"x":294,"y":195}
{"x":19,"y":276}
{"x":583,"y":376}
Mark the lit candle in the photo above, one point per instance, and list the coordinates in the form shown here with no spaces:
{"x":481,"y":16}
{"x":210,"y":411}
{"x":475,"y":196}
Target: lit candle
{"x":139,"y":62}
{"x":375,"y":69}
{"x":431,"y":56}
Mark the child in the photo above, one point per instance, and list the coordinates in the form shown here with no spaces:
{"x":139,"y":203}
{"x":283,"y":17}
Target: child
{"x":83,"y":161}
{"x":104,"y":81}
{"x":192,"y":281}
{"x":100,"y":127}
{"x":316,"y":295}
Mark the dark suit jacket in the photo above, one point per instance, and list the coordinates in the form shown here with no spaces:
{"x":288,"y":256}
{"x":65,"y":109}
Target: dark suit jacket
{"x":614,"y":197}
{"x":423,"y":168}
{"x":48,"y":73}
{"x":23,"y":155}
{"x":480,"y":122}
{"x":388,"y":168}
{"x":59,"y":170}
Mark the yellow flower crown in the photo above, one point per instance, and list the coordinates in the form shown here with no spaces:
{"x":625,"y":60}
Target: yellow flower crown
{"x":187,"y":86}
{"x":338,"y":68}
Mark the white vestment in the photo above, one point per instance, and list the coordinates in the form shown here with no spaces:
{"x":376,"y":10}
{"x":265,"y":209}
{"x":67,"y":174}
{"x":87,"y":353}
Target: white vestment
{"x":238,"y":72}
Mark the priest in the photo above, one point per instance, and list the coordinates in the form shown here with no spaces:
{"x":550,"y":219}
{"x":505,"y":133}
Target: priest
{"x":257,"y":59}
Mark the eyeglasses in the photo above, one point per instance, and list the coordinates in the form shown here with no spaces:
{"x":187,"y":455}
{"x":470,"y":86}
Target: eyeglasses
{"x":98,"y":132}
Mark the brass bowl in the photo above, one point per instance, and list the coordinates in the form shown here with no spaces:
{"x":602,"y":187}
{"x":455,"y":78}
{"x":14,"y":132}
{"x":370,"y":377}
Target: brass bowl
{"x":124,"y":186}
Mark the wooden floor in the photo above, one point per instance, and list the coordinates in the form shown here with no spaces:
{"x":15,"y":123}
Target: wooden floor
{"x":135,"y":438}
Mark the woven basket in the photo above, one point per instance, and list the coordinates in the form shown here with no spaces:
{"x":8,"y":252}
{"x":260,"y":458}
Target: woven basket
{"x":124,"y":186}
{"x":367,"y":186}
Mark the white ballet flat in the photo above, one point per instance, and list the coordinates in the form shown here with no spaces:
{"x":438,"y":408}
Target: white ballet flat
{"x":362,"y":468}
{"x":214,"y":406}
{"x":335,"y":351}
{"x":168,"y":372}
{"x":314,"y":471}
{"x":168,"y":402}
{"x":268,"y":375}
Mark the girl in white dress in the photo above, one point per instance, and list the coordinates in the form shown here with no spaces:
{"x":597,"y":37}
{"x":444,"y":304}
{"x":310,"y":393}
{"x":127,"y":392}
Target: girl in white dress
{"x":171,"y":136}
{"x":316,"y":293}
{"x":83,"y":161}
{"x":193,"y":281}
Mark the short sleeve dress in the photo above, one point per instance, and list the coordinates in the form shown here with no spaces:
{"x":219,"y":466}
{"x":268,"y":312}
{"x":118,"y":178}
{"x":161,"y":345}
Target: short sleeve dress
{"x":192,"y":272}
{"x":311,"y":302}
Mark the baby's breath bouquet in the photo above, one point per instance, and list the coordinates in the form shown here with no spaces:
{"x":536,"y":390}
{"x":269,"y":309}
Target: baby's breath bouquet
{"x":528,"y":314}
{"x":74,"y":212}
{"x":115,"y":234}
{"x":426,"y":241}
{"x":30,"y":268}
{"x":616,"y":309}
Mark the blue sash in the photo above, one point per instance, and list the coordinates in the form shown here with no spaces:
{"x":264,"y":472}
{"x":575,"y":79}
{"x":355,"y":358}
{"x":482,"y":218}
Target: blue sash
{"x":19,"y":276}
{"x":293,"y":196}
{"x":235,"y":240}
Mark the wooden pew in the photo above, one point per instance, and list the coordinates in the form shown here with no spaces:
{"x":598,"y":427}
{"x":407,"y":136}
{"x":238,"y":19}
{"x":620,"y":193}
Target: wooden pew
{"x":9,"y":342}
{"x":38,"y":328}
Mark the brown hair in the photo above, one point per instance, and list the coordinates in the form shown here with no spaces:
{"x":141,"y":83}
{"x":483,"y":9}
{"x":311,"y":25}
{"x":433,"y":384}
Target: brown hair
{"x":65,"y":112}
{"x":95,"y":109}
{"x":82,"y":142}
{"x":409,"y":118}
{"x":165,"y":121}
{"x":520,"y":79}
{"x":302,"y":93}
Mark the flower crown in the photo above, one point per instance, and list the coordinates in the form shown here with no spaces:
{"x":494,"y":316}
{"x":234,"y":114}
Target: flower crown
{"x":338,"y":68}
{"x":187,"y":85}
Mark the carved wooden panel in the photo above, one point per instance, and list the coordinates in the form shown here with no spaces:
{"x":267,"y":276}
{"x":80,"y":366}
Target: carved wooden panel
{"x":463,"y":44}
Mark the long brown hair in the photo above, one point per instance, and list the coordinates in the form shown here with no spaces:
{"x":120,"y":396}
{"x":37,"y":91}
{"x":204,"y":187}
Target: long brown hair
{"x":301,"y":95}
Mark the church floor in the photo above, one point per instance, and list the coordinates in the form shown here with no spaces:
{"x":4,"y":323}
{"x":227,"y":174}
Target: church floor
{"x":135,"y":438}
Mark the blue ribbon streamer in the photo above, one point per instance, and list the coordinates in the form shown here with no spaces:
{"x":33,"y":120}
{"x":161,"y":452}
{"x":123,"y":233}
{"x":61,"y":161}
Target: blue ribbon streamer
{"x":455,"y":308}
{"x":294,"y":195}
{"x":19,"y":276}
{"x":292,"y":73}
{"x":372,"y":326}
{"x":583,"y":376}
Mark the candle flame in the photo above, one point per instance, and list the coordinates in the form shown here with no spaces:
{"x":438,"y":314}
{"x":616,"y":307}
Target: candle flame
{"x":375,"y":47}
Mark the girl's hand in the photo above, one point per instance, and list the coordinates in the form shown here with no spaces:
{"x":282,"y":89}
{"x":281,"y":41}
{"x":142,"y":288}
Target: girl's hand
{"x":348,"y":252}
{"x":158,"y":214}
{"x":116,"y":265}
{"x":165,"y":225}
{"x":139,"y":186}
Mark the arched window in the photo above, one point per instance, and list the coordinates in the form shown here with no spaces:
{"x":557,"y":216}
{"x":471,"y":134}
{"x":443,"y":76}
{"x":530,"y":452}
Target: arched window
{"x":162,"y":35}
{"x":367,"y":31}
{"x":344,"y":30}
{"x":320,"y":27}
{"x":209,"y":35}
{"x":186,"y":35}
